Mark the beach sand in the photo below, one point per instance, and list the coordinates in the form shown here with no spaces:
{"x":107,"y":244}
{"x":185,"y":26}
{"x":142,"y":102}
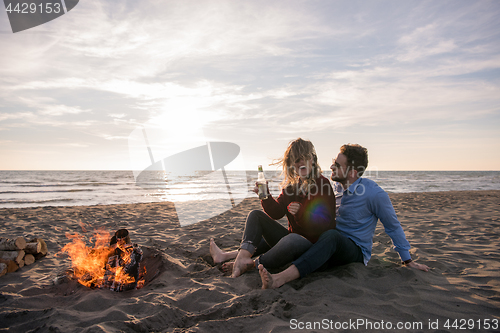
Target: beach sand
{"x":457,"y":234}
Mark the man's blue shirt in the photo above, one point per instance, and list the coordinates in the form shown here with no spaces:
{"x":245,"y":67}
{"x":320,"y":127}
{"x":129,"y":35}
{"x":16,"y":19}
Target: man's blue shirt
{"x":362,"y":205}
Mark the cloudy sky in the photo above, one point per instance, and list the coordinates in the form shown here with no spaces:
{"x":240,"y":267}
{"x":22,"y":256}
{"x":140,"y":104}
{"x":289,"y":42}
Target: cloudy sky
{"x":416,"y":82}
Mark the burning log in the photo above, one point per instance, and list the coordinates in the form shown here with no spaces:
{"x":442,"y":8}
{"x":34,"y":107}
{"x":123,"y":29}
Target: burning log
{"x":115,"y":266}
{"x":122,"y":269}
{"x":150,"y":266}
{"x":7,"y":244}
{"x":16,"y":256}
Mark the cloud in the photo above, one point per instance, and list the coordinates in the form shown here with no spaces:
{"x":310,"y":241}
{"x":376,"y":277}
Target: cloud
{"x":248,"y":70}
{"x":121,"y":42}
{"x":424,"y":42}
{"x":60,"y":110}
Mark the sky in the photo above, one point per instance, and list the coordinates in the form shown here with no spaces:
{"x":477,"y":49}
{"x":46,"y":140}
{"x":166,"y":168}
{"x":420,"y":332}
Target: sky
{"x":415,"y":82}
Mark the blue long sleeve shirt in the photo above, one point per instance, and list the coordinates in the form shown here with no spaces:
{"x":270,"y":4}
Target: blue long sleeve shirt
{"x":362,"y":205}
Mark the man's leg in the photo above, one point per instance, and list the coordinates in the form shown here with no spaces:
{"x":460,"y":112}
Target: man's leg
{"x":289,"y":248}
{"x":331,"y":247}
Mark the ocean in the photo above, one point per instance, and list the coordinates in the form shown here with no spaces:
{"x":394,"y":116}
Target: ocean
{"x":81,"y":188}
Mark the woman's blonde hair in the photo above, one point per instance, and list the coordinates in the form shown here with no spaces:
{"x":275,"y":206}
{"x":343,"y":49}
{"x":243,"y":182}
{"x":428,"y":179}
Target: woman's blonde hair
{"x":299,"y":149}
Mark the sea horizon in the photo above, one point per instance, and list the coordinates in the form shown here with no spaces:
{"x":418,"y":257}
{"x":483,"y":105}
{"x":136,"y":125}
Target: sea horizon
{"x":34,"y":188}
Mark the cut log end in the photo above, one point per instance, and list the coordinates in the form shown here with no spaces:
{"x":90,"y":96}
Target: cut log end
{"x":7,"y":244}
{"x":33,"y":248}
{"x":38,"y":245}
{"x":29,"y":259}
{"x":16,"y":256}
{"x":12,"y":266}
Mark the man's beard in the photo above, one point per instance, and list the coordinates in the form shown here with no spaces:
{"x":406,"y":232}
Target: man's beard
{"x":337,"y":178}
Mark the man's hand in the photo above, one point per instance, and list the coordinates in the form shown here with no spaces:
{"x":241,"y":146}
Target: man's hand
{"x":415,"y":265}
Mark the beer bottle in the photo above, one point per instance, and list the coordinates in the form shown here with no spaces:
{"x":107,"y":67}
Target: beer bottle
{"x":261,"y":184}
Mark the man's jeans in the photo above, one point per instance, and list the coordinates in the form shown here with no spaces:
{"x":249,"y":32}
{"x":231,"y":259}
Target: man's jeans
{"x":331,"y":249}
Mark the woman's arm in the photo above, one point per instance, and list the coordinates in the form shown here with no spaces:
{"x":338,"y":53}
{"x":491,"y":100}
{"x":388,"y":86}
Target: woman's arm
{"x":276,"y":208}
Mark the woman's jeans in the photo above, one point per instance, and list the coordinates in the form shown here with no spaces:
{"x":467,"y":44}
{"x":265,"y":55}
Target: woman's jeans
{"x":264,"y":235}
{"x":331,"y":249}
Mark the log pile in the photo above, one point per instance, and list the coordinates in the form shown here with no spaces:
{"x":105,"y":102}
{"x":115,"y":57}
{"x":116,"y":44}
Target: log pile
{"x":16,"y":253}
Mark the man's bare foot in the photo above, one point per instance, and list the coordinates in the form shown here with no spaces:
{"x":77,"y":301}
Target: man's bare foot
{"x":242,"y":263}
{"x":218,"y":255}
{"x":266,"y":277}
{"x":273,"y":281}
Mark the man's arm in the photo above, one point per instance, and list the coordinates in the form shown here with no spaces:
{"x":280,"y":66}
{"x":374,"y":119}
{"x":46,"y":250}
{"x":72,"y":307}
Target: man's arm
{"x":384,"y":210}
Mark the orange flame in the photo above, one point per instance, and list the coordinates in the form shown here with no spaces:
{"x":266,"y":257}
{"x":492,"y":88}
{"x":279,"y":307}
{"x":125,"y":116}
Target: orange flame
{"x":90,"y":263}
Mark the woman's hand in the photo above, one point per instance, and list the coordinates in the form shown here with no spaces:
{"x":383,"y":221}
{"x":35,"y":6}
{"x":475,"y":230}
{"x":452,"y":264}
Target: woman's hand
{"x":293,"y":207}
{"x":256,"y":188}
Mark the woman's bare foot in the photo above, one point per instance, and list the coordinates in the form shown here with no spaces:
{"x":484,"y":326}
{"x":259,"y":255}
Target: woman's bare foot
{"x":218,"y":255}
{"x":266,"y":277}
{"x":242,"y":263}
{"x":227,"y":268}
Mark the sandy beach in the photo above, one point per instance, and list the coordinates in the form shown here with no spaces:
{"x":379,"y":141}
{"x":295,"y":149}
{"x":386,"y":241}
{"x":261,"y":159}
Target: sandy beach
{"x":457,"y":234}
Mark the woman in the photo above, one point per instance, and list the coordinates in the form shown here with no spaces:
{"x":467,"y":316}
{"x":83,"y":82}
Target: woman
{"x":308,"y":201}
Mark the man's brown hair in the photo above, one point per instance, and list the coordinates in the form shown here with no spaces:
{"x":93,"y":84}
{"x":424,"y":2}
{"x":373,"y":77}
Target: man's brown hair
{"x":357,"y":157}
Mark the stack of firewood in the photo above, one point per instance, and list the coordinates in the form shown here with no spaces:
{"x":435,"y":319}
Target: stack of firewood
{"x":15,"y":253}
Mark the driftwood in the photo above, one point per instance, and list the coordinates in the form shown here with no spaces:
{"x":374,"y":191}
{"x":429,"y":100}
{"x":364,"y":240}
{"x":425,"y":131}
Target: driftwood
{"x":3,"y":269}
{"x":12,"y":266}
{"x":7,"y":244}
{"x":16,"y":256}
{"x":29,"y":259}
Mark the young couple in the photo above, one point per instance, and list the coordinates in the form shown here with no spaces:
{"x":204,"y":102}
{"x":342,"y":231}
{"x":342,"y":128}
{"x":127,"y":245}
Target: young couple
{"x":315,"y":238}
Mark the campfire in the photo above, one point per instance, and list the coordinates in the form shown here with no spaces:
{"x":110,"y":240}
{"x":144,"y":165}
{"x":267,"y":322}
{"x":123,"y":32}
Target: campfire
{"x":112,"y":263}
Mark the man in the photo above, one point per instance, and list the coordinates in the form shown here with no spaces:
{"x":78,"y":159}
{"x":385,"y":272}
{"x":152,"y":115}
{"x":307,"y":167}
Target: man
{"x":362,"y":205}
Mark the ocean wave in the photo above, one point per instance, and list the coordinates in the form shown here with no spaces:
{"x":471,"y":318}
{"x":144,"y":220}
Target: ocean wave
{"x":18,"y":182}
{"x":29,"y":202}
{"x":68,"y":184}
{"x":74,"y":188}
{"x":54,"y":191}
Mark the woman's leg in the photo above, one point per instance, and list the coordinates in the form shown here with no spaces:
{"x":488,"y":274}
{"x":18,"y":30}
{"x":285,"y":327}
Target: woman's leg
{"x":288,"y":249}
{"x":258,"y":223}
{"x":258,"y":226}
{"x":260,"y":230}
